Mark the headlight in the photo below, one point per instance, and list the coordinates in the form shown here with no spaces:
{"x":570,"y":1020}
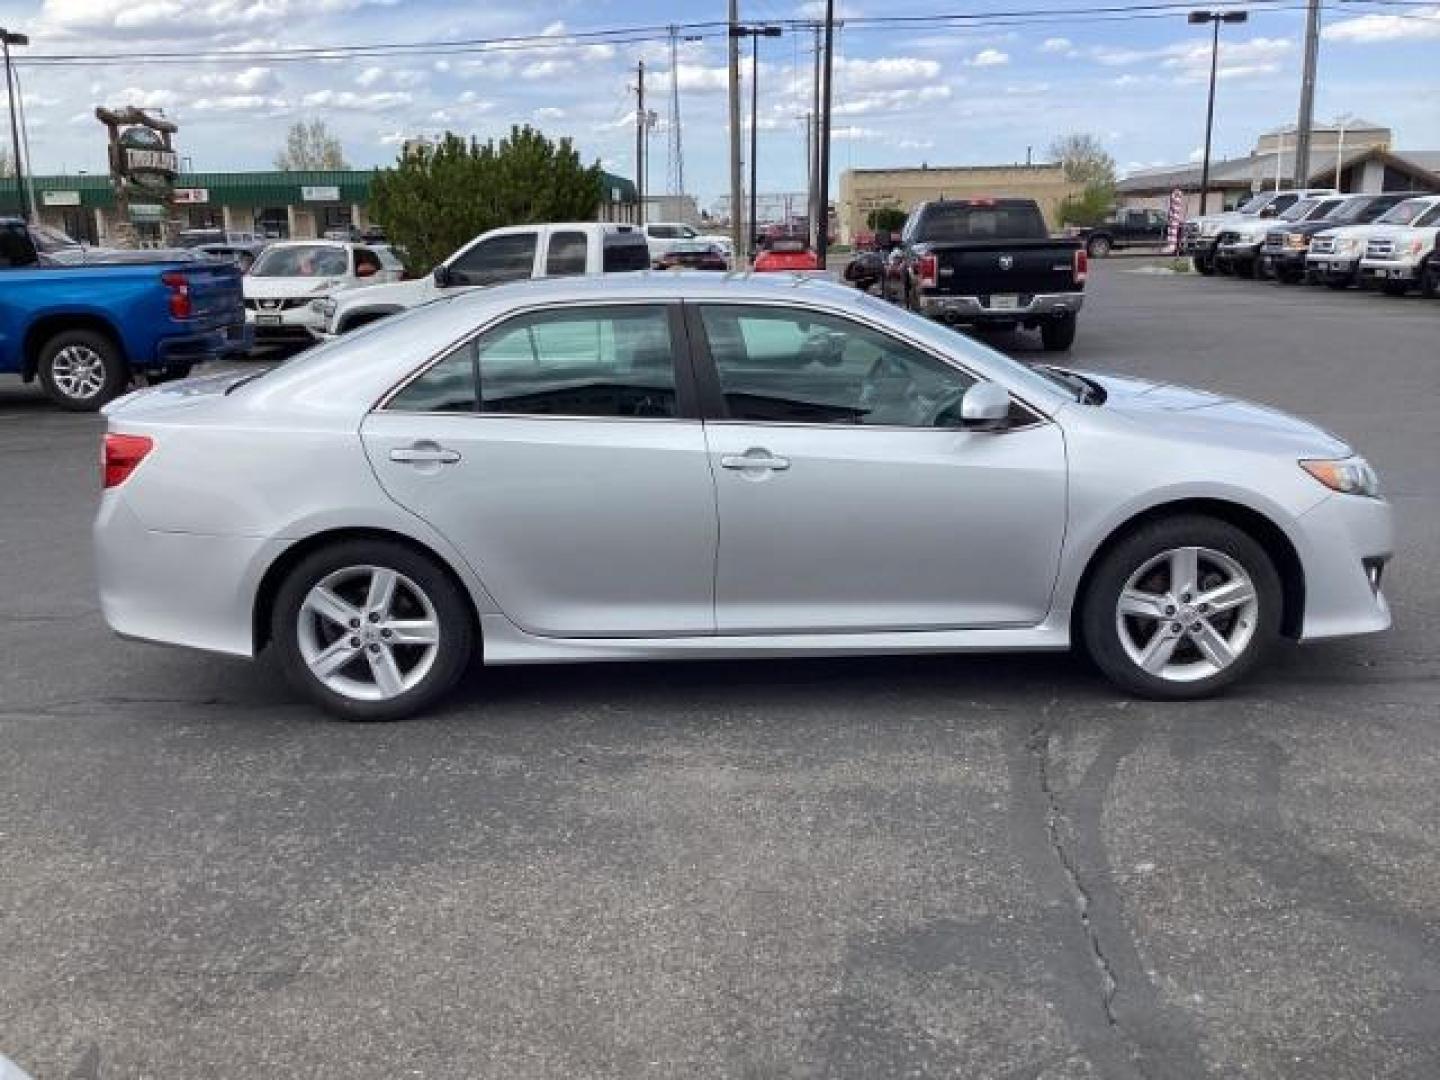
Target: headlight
{"x":1349,"y":476}
{"x":1347,"y":246}
{"x":1209,"y":228}
{"x":326,"y":306}
{"x":1297,"y":240}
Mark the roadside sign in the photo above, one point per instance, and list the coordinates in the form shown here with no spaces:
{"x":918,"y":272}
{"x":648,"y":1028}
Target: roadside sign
{"x":1177,"y":218}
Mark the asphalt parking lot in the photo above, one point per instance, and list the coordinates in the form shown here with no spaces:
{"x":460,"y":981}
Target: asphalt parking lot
{"x":960,"y":867}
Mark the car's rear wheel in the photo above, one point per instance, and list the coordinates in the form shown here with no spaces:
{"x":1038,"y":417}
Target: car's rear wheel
{"x":1058,"y":334}
{"x":1394,"y":288}
{"x":1181,"y":608}
{"x":1203,"y":265}
{"x":81,"y":370}
{"x":371,"y":630}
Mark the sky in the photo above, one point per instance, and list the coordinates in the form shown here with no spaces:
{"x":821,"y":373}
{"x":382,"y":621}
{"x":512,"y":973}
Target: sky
{"x":904,"y":95}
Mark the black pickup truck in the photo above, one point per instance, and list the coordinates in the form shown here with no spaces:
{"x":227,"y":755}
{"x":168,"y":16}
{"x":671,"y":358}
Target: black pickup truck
{"x":991,"y":263}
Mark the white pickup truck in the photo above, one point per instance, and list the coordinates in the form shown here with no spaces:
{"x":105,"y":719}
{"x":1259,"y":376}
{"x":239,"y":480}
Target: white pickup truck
{"x":500,"y":255}
{"x":1400,"y":257}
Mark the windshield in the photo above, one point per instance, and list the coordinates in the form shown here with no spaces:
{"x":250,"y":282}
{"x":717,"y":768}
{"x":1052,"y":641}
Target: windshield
{"x":1350,"y":210}
{"x":1256,"y":204}
{"x":50,"y":239}
{"x":1405,"y":213}
{"x":308,"y":260}
{"x":1300,"y":210}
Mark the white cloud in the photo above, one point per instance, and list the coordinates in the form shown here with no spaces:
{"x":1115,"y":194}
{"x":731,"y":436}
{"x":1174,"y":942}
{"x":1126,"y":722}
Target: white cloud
{"x":1059,"y":45}
{"x":172,"y":19}
{"x":350,"y":101}
{"x":549,"y":113}
{"x":544,"y":69}
{"x":854,"y":133}
{"x":1027,"y":88}
{"x":988,"y":58}
{"x":883,"y":73}
{"x":1423,"y":24}
{"x":916,"y":144}
{"x":697,"y":78}
{"x":237,"y":103}
{"x":370,"y":76}
{"x":890,"y":100}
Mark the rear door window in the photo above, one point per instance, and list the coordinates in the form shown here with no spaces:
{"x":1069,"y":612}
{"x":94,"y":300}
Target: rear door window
{"x":625,"y":253}
{"x":565,"y":254}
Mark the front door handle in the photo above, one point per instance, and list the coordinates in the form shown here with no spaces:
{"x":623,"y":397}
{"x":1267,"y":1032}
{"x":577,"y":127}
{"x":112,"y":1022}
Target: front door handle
{"x":755,"y":458}
{"x":425,"y":453}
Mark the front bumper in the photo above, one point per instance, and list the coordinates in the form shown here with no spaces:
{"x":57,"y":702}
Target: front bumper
{"x":1332,"y":267}
{"x":297,"y":322}
{"x":1197,"y":245}
{"x":1283,"y":259}
{"x":1241,"y":252}
{"x":1385,"y":270}
{"x":976,"y":309}
{"x":1345,"y":542}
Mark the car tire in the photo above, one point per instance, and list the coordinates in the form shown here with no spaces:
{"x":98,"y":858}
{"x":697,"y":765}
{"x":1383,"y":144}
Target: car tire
{"x":1338,"y":284}
{"x":1058,"y":334}
{"x":1098,"y":247}
{"x":1395,"y":288}
{"x":1203,"y":265}
{"x":1248,"y":268}
{"x":80,"y":370}
{"x":351,"y":662}
{"x":1430,"y":280}
{"x":1144,"y":653}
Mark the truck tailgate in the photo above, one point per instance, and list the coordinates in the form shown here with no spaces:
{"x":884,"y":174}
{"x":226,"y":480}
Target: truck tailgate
{"x":1020,"y":267}
{"x":215,"y":293}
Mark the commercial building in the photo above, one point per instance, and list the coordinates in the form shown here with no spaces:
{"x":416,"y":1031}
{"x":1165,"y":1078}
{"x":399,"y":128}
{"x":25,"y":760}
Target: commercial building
{"x":865,"y":190}
{"x":1357,"y":156}
{"x":296,"y":205}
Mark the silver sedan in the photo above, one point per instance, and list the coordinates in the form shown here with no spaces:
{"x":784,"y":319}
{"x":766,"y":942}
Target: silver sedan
{"x":655,"y":467}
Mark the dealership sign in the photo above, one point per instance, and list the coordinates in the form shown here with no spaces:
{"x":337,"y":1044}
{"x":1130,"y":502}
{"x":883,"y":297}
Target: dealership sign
{"x":60,"y":198}
{"x":143,"y":164}
{"x":322,"y":193}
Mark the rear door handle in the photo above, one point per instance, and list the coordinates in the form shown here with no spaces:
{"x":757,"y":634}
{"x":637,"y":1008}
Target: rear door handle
{"x":755,"y":458}
{"x":424,"y":454}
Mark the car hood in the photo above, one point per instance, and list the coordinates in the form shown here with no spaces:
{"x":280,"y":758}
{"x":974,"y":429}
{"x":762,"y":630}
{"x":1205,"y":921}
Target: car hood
{"x":395,"y":293}
{"x":1200,"y":414}
{"x":264,"y":288}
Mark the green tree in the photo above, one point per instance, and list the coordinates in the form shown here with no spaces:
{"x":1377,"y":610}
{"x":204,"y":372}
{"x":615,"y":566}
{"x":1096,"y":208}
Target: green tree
{"x":886,"y":219}
{"x":438,"y":197}
{"x":1086,"y":162}
{"x":310,"y":147}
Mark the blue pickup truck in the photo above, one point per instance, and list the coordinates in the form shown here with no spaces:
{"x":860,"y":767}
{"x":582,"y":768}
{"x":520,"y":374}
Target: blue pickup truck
{"x":87,"y":331}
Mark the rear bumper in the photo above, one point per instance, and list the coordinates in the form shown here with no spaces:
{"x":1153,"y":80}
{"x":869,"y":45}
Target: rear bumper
{"x":1346,"y":542}
{"x":974,"y":309}
{"x":213,"y":344}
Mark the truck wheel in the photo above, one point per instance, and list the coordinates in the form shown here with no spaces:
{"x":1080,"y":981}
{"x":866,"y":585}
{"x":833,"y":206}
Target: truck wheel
{"x":1058,"y":334}
{"x":80,"y":370}
{"x":1203,"y":265}
{"x":1098,"y":247}
{"x":1430,"y":280}
{"x":1394,"y":288}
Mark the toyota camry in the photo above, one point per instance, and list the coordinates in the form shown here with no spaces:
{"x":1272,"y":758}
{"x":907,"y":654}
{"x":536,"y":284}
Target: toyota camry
{"x":661,"y":466}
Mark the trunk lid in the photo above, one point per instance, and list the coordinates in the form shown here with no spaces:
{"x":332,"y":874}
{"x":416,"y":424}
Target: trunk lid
{"x":1005,"y":267}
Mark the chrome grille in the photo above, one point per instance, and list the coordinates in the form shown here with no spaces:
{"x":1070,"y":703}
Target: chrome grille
{"x":1380,"y":249}
{"x":1323,"y":245}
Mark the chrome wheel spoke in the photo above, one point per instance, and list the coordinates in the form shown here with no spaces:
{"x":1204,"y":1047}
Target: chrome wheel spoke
{"x":328,"y":605}
{"x":1143,"y":605}
{"x":333,"y":657}
{"x":386,"y":671}
{"x":1184,"y":571}
{"x":412,"y":631}
{"x":1232,"y":594}
{"x":1212,"y":644}
{"x":382,"y":591}
{"x":1158,"y":651}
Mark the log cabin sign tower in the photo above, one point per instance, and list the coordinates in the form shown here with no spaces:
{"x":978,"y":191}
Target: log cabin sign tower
{"x":143,"y":165}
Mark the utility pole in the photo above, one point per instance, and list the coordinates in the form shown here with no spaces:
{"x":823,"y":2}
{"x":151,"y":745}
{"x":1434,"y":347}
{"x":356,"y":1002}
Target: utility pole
{"x":6,"y":40}
{"x":1307,"y":94}
{"x":812,"y":141}
{"x":737,"y":230}
{"x":640,"y":143}
{"x":754,"y":131}
{"x":675,"y":173}
{"x":823,"y":209}
{"x":1214,"y":18}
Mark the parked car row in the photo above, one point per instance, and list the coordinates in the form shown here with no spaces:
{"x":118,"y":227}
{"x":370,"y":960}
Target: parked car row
{"x":1386,"y":240}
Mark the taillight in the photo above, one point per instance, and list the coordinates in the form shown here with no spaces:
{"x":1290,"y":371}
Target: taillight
{"x":1082,"y":266}
{"x":179,"y":286}
{"x":927,"y":269}
{"x":121,"y":455}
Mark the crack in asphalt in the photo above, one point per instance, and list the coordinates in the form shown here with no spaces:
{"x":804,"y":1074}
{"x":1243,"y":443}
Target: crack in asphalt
{"x":1038,"y":745}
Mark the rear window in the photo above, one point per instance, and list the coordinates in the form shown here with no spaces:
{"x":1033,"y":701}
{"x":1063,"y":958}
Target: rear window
{"x":979,"y":221}
{"x":625,"y":253}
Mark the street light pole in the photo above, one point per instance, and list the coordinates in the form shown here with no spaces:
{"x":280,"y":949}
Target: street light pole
{"x":822,"y":208}
{"x":6,"y":40}
{"x":1214,"y":18}
{"x":754,"y":129}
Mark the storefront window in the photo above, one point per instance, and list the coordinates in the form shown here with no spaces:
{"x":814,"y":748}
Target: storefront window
{"x":273,"y":222}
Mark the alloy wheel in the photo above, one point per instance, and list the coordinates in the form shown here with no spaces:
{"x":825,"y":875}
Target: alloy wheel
{"x":78,"y":371}
{"x":368,"y":633}
{"x":1187,"y":614}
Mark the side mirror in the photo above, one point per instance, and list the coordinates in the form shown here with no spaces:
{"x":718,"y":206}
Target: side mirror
{"x":442,"y":277}
{"x":985,"y":406}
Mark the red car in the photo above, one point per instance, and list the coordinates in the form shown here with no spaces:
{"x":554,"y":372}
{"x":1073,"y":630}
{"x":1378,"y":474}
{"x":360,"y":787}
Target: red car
{"x":786,"y":255}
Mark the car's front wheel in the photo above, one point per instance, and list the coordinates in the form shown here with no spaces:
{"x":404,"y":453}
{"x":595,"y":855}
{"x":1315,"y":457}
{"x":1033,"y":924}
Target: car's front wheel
{"x":1181,"y":608}
{"x":371,"y":630}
